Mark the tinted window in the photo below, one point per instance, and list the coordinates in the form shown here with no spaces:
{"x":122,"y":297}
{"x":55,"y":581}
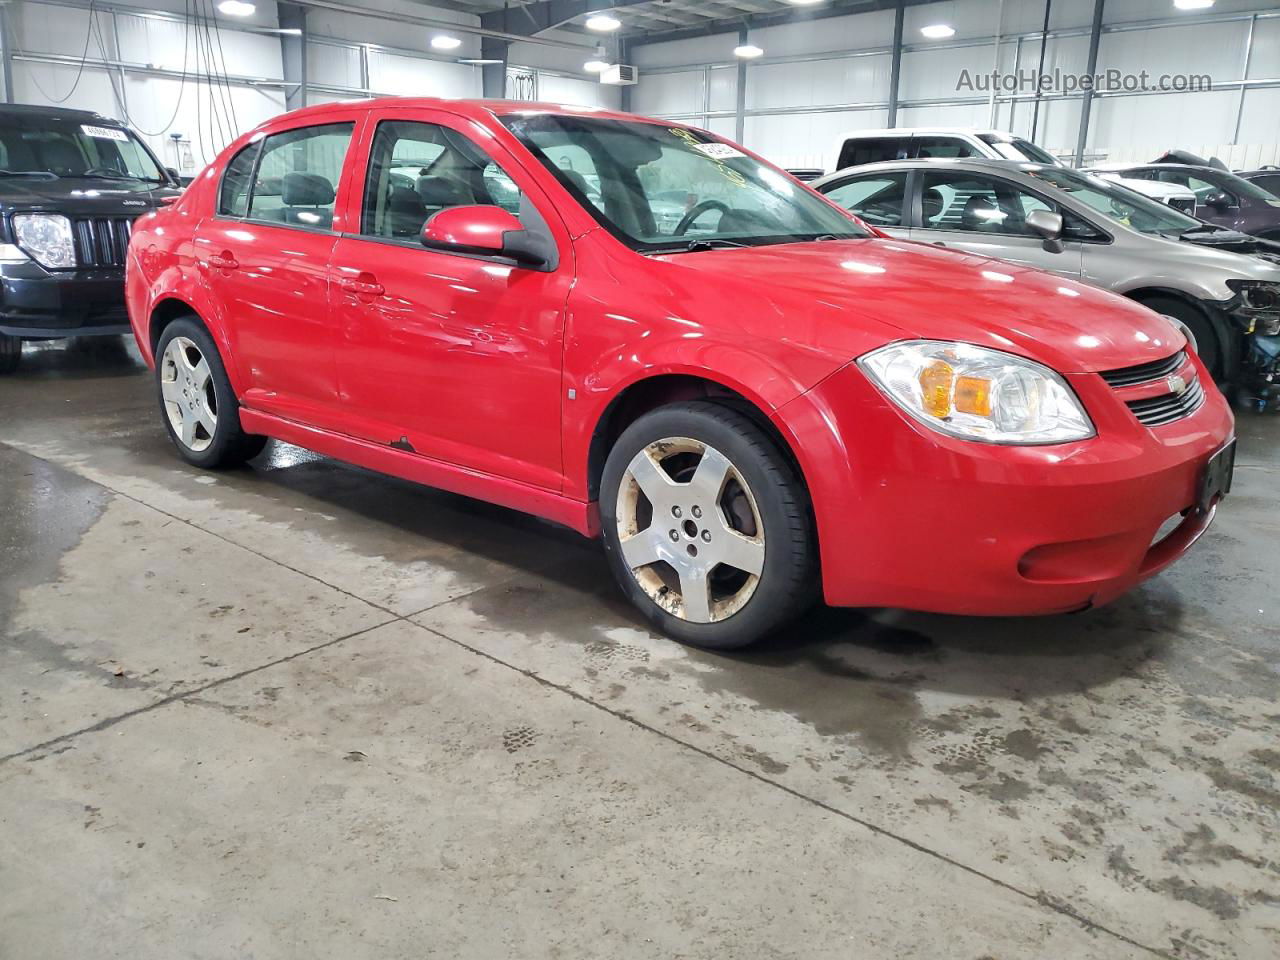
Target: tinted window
{"x":860,"y":150}
{"x":418,"y":169}
{"x":876,"y":199}
{"x":1015,"y":148}
{"x":298,"y":176}
{"x":233,"y":197}
{"x":1269,"y":182}
{"x":928,"y":148}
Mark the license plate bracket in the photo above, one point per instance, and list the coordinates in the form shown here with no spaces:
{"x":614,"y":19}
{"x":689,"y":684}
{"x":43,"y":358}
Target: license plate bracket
{"x":1215,"y":482}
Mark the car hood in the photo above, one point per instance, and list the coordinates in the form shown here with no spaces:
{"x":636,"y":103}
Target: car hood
{"x":912,"y":290}
{"x":82,"y":195}
{"x":1233,"y":241}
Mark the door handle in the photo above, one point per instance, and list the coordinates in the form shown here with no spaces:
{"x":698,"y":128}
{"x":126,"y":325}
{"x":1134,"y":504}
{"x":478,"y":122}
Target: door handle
{"x":224,"y":261}
{"x":368,"y":287}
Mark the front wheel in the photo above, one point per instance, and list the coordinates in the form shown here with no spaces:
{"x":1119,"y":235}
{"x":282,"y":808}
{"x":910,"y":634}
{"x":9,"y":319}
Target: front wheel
{"x":706,"y":526}
{"x":1209,"y":342}
{"x":199,"y":407}
{"x":10,"y":353}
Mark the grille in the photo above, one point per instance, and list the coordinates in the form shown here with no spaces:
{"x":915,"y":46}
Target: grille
{"x":1157,"y":411}
{"x":1184,"y":204}
{"x":1145,"y":372}
{"x":102,"y":241}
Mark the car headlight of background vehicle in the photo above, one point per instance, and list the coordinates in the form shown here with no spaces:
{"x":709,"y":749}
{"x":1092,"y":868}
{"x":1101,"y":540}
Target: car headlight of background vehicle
{"x":47,"y":237}
{"x":978,"y":394}
{"x":1259,"y":300}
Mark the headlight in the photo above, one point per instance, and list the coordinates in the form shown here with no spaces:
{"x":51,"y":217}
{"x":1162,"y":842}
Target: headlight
{"x":47,"y":237}
{"x":1260,"y":302}
{"x":978,"y":394}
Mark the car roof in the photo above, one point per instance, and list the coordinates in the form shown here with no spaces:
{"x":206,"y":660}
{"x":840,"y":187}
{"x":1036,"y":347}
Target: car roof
{"x":1112,"y":167}
{"x":476,"y":109}
{"x":65,"y":113}
{"x":927,"y":131}
{"x":965,"y":163}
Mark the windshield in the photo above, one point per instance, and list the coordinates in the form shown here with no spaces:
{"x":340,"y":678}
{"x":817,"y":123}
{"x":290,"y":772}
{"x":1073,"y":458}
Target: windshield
{"x":67,"y":148}
{"x":1015,"y":148}
{"x":1119,"y":203}
{"x":665,"y":189}
{"x":1242,"y":187}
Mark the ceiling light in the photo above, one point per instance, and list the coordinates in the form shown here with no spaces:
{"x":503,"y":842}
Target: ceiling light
{"x":595,"y":66}
{"x":1193,"y":4}
{"x":603,"y":23}
{"x":442,"y":41}
{"x":938,"y":31}
{"x":803,"y":3}
{"x":236,"y":8}
{"x":478,"y":61}
{"x":748,"y":51}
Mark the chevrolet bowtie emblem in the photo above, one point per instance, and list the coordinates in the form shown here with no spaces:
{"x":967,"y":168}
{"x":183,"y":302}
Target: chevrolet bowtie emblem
{"x":1177,"y":385}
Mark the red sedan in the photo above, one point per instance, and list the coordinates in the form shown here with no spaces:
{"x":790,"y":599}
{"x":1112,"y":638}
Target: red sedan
{"x":639,"y":330}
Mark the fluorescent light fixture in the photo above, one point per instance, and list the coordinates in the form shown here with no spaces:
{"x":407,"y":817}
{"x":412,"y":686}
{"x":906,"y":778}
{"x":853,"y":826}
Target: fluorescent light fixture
{"x":1193,"y":4}
{"x":748,"y":51}
{"x":803,"y":3}
{"x":236,"y":8}
{"x":595,"y":66}
{"x":478,"y":61}
{"x":603,"y":23}
{"x":938,"y":31}
{"x":442,"y":41}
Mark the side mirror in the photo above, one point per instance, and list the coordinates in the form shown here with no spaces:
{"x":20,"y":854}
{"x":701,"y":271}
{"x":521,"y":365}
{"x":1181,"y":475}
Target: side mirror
{"x":1049,"y":226}
{"x":173,"y":173}
{"x":484,"y":230}
{"x":1220,"y":200}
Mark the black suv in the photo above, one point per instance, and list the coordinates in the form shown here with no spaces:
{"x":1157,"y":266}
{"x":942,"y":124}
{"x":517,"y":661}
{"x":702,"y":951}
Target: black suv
{"x":71,"y":184}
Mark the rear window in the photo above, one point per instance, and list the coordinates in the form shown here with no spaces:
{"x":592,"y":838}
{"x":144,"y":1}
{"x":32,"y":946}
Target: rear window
{"x":859,"y":150}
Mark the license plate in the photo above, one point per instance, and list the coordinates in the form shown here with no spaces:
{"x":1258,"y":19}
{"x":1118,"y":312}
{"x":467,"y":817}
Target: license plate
{"x":1216,"y":482}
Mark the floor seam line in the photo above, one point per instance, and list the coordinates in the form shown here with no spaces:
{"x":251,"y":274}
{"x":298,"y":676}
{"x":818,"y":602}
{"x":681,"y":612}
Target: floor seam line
{"x":108,"y":722}
{"x":1040,"y":899}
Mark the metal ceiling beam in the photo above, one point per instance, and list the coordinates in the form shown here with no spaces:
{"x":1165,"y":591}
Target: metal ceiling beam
{"x":494,"y":33}
{"x":837,"y":8}
{"x":531,"y":19}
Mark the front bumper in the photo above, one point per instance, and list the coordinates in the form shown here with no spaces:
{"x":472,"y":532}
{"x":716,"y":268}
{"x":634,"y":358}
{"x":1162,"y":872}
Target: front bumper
{"x":39,"y":303}
{"x":911,"y":518}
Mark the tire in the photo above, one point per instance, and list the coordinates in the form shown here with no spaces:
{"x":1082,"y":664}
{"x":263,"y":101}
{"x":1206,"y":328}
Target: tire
{"x":693,"y":486}
{"x":10,"y":353}
{"x":197,"y":405}
{"x":1211,"y":343}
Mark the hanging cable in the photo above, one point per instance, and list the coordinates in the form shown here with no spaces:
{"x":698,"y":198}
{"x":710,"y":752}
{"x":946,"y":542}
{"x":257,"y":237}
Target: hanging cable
{"x":84,"y":56}
{"x":182,"y":83}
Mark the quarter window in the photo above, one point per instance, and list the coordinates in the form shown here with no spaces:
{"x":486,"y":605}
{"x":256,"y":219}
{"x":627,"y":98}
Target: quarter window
{"x":418,"y":169}
{"x":298,"y":176}
{"x":857,"y":152}
{"x":928,"y":148}
{"x":233,"y":197}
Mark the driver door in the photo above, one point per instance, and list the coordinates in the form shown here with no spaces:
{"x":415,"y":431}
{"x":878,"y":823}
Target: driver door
{"x":984,"y":214}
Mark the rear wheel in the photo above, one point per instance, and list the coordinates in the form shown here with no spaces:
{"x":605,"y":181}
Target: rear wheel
{"x":706,"y":526}
{"x":10,"y":353}
{"x":199,"y":408}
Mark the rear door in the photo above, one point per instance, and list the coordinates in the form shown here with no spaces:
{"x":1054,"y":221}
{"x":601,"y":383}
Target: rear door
{"x":265,"y":257}
{"x":878,"y":198}
{"x":985,"y":214}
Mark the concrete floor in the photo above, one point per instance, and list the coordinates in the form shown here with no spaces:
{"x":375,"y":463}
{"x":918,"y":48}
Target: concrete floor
{"x":300,"y":710}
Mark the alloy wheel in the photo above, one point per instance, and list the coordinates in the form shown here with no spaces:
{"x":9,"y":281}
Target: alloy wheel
{"x":186,"y":385}
{"x":689,"y":530}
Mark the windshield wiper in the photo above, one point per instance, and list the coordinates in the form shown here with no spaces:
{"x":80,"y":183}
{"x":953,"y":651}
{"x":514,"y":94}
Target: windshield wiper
{"x":42,"y":174}
{"x":712,"y":243}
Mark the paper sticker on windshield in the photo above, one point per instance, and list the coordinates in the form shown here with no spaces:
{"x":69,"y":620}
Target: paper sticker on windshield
{"x":719,"y":151}
{"x":105,"y":133}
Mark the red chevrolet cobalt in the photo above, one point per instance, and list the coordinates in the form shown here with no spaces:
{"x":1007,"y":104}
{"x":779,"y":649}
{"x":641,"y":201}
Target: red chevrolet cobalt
{"x":646,"y":333}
